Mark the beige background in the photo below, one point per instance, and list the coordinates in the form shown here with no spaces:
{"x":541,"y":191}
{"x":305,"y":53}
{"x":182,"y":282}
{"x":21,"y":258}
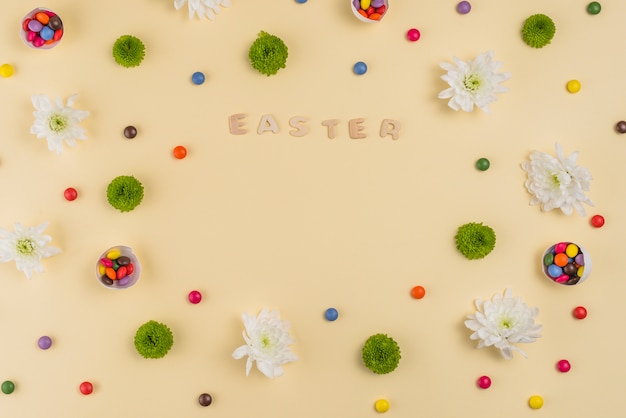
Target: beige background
{"x":302,"y":224}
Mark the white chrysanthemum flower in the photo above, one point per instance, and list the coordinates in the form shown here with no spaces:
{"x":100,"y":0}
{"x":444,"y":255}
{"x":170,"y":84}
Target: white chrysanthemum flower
{"x":57,"y":122}
{"x":503,"y":321}
{"x":27,"y":246}
{"x":557,"y":182}
{"x":267,"y":342}
{"x":473,"y":82}
{"x":208,"y":8}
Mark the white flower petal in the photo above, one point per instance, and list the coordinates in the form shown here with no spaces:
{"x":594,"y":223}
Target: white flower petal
{"x":27,"y":247}
{"x":57,"y":122}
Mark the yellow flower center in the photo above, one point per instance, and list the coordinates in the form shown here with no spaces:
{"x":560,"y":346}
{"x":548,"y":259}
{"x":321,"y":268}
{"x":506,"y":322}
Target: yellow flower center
{"x":472,"y":82}
{"x":57,"y":123}
{"x":25,"y":247}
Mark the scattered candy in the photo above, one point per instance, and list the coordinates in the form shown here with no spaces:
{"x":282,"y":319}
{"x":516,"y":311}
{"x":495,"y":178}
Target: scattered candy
{"x":482,"y":164}
{"x":418,"y":292}
{"x":194,"y":297}
{"x":70,"y":194}
{"x":130,"y":132}
{"x":6,"y":70}
{"x":86,"y":388}
{"x":370,"y":9}
{"x":594,"y":8}
{"x":597,"y":221}
{"x":7,"y":387}
{"x":205,"y":399}
{"x":535,"y":402}
{"x":180,"y":152}
{"x":413,"y":35}
{"x":44,"y":342}
{"x":563,"y":366}
{"x":463,"y":7}
{"x":564,"y":263}
{"x":484,"y":382}
{"x":42,"y":29}
{"x":580,"y":312}
{"x":331,"y":314}
{"x":197,"y":78}
{"x":573,"y":86}
{"x":621,"y":127}
{"x":360,"y":68}
{"x":381,"y":405}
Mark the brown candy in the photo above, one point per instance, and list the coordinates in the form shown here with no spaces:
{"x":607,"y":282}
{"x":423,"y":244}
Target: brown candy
{"x":130,"y":132}
{"x":621,"y":127}
{"x":123,"y":260}
{"x":205,"y":399}
{"x":55,"y":23}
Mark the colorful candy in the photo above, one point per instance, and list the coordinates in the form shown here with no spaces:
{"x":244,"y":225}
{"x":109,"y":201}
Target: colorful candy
{"x":130,"y":132}
{"x":484,"y":382}
{"x":7,"y":387}
{"x":418,"y":292}
{"x":6,"y":70}
{"x":597,"y":221}
{"x":463,"y":7}
{"x":205,"y":399}
{"x":563,"y":366}
{"x":579,"y":312}
{"x":360,"y":68}
{"x":619,"y":126}
{"x":115,"y":269}
{"x":483,"y":164}
{"x":70,"y":194}
{"x":564,"y":263}
{"x":197,"y":78}
{"x":535,"y":402}
{"x":331,"y":314}
{"x":382,"y":405}
{"x":372,"y":10}
{"x":573,"y":86}
{"x":42,"y":29}
{"x":594,"y":8}
{"x":179,"y":152}
{"x":86,"y":388}
{"x":194,"y":297}
{"x":413,"y":34}
{"x":44,"y":342}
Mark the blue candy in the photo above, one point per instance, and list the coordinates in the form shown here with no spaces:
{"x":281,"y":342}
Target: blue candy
{"x":554,"y":271}
{"x":46,"y":33}
{"x":331,"y":314}
{"x":197,"y":78}
{"x":360,"y":68}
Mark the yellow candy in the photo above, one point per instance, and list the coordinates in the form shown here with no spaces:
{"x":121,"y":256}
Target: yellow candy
{"x":571,"y":250}
{"x":573,"y":86}
{"x":6,"y":70}
{"x":535,"y":402}
{"x":113,"y":254}
{"x":581,"y":271}
{"x":101,"y":269}
{"x":365,"y":4}
{"x":382,"y":405}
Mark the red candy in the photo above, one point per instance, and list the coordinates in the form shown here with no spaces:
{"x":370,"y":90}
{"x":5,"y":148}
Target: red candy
{"x":70,"y":194}
{"x":129,"y":269}
{"x":122,"y":272}
{"x":86,"y":388}
{"x":42,"y":22}
{"x":597,"y":221}
{"x":381,"y":10}
{"x":563,"y":366}
{"x":580,"y":312}
{"x":369,"y":10}
{"x":484,"y":382}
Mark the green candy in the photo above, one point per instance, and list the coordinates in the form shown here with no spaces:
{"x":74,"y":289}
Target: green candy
{"x":8,"y":387}
{"x":594,"y":8}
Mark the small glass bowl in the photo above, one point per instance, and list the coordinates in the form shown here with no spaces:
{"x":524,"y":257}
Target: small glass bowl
{"x":34,"y":37}
{"x":355,"y":5}
{"x":117,"y":257}
{"x":566,"y":263}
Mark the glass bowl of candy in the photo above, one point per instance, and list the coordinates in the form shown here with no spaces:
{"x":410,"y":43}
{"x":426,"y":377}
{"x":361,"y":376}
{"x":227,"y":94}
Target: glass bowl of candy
{"x":369,"y":11}
{"x":566,"y":263}
{"x":118,"y":268}
{"x":41,"y":29}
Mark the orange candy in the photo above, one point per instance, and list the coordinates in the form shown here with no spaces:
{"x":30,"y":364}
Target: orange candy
{"x":42,"y":18}
{"x":418,"y":292}
{"x":180,"y":152}
{"x":375,"y":16}
{"x":561,"y":259}
{"x":111,"y":274}
{"x":362,"y":12}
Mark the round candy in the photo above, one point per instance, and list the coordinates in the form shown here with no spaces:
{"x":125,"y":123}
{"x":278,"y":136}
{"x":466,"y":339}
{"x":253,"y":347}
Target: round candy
{"x":482,"y":164}
{"x":560,"y":247}
{"x":597,"y":221}
{"x":571,"y":250}
{"x":381,"y":405}
{"x":573,"y":86}
{"x":194,"y":297}
{"x":46,"y":33}
{"x":463,"y":7}
{"x":55,"y":23}
{"x":35,"y":25}
{"x":70,"y":194}
{"x":580,"y":312}
{"x":535,"y":402}
{"x":130,"y":132}
{"x":7,"y":387}
{"x":484,"y":382}
{"x":619,"y":127}
{"x":6,"y":70}
{"x":205,"y":399}
{"x":418,"y":292}
{"x":197,"y":78}
{"x":580,"y":259}
{"x":44,"y":342}
{"x":563,"y":366}
{"x":180,"y":152}
{"x":331,"y":314}
{"x":86,"y":388}
{"x":360,"y":68}
{"x":561,"y":259}
{"x":413,"y":34}
{"x":594,"y":8}
{"x":548,"y":259}
{"x":554,"y":271}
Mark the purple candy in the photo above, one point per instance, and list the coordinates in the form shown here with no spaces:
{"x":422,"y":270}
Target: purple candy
{"x":44,"y":342}
{"x":123,"y":281}
{"x":377,"y":3}
{"x":464,"y":7}
{"x":356,"y":4}
{"x":580,"y":259}
{"x":35,"y":25}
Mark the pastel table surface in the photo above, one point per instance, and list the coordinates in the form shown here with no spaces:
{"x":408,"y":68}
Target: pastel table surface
{"x":301,"y":224}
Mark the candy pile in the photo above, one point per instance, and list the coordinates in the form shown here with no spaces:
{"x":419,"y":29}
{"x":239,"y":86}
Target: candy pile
{"x":564,"y":263}
{"x":42,"y":29}
{"x":115,"y":269}
{"x":370,"y":9}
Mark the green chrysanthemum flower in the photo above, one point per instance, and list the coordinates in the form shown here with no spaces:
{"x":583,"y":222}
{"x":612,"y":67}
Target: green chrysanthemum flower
{"x":381,"y":354}
{"x":538,"y":30}
{"x":268,"y":54}
{"x":128,"y":51}
{"x":475,"y":240}
{"x":125,"y":193}
{"x":153,"y":340}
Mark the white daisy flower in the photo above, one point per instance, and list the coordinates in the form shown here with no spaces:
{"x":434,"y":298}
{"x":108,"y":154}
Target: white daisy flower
{"x":502,"y":322}
{"x":27,"y":246}
{"x":267,"y":342}
{"x":208,"y":8}
{"x":557,"y":182}
{"x":473,"y":82}
{"x":57,"y":122}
